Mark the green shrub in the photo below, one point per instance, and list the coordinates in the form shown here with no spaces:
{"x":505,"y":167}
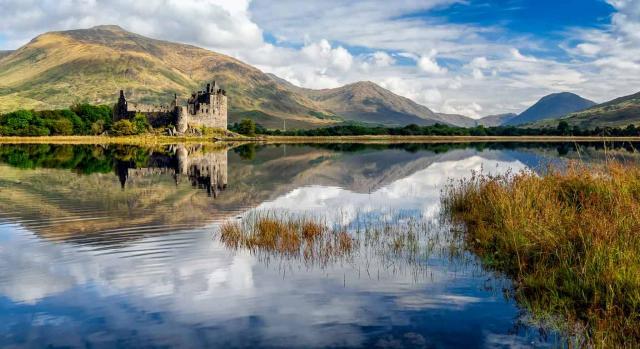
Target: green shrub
{"x":97,"y":127}
{"x":123,"y":128}
{"x":141,"y":123}
{"x":63,"y":127}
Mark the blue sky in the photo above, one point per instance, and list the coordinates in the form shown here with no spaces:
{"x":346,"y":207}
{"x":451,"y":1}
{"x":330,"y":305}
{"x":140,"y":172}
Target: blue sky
{"x":471,"y":57}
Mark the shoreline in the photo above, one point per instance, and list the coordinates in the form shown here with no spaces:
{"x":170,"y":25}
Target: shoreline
{"x":165,"y":140}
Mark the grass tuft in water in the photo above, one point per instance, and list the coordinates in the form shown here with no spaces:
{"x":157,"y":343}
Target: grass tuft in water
{"x":394,"y":243}
{"x":287,"y":235}
{"x":569,"y":238}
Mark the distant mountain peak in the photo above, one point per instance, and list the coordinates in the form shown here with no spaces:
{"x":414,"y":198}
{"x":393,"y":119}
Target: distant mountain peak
{"x":555,"y":105}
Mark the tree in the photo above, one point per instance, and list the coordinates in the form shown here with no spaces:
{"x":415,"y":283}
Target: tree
{"x":563,"y":128}
{"x":247,"y":127}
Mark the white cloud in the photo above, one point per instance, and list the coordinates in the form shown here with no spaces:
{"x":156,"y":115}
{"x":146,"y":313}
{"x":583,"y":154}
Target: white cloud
{"x":430,"y":65}
{"x":382,"y":59}
{"x":315,"y":41}
{"x":322,"y":52}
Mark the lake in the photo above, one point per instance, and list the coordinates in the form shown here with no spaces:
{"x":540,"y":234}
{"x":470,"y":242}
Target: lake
{"x":105,"y":246}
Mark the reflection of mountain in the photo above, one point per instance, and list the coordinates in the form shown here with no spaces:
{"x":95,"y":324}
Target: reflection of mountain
{"x":167,"y":190}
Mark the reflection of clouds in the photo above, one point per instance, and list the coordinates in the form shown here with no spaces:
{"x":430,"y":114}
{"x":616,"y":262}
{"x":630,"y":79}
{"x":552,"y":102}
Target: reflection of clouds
{"x":419,"y":191}
{"x":186,"y":289}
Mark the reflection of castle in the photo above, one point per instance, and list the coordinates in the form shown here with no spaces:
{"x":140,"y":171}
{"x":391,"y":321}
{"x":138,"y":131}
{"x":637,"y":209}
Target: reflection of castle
{"x":205,"y":170}
{"x":204,"y":108}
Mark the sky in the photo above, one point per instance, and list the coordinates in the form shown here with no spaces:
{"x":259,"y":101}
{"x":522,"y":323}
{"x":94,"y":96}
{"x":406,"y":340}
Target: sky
{"x":470,"y":57}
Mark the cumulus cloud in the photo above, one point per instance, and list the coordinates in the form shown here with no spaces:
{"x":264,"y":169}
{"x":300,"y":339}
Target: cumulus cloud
{"x":429,"y":64}
{"x":382,"y":59}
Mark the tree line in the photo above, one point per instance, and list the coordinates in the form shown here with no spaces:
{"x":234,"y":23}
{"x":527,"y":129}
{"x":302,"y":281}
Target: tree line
{"x":86,"y":119}
{"x":79,"y":119}
{"x":248,"y":127}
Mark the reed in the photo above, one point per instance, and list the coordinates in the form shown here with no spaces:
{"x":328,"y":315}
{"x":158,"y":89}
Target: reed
{"x":396,"y":243}
{"x":288,"y":236}
{"x":569,"y":238}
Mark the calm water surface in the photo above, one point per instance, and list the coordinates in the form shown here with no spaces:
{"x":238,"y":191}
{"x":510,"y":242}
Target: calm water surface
{"x":118,"y":246}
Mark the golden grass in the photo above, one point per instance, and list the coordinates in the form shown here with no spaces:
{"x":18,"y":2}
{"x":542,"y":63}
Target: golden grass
{"x":146,"y":140}
{"x":404,"y":242}
{"x":291,"y":237}
{"x":570,"y":239}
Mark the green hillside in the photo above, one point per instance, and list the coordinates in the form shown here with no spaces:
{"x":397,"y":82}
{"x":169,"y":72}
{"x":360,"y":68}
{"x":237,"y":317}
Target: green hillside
{"x":621,"y":111}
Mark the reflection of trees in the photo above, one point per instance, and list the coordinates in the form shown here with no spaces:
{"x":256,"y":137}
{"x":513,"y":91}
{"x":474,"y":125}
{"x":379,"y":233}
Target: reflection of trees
{"x":439,"y":148}
{"x":246,"y":151}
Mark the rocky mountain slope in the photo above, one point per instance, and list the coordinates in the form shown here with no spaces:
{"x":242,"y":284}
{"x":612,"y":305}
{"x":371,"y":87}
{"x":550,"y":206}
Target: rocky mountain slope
{"x":496,"y":120}
{"x":58,"y":69}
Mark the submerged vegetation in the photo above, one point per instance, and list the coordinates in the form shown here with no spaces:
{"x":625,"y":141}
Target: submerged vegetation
{"x":569,"y":238}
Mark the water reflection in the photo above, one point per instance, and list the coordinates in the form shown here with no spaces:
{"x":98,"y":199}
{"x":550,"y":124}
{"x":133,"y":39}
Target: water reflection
{"x":203,"y":169}
{"x":86,"y":260}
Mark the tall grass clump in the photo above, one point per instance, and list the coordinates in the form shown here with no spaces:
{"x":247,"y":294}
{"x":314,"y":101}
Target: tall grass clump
{"x":569,"y":238}
{"x":287,"y":236}
{"x":398,"y":244}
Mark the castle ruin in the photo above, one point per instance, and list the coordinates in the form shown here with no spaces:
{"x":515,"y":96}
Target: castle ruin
{"x":205,"y":108}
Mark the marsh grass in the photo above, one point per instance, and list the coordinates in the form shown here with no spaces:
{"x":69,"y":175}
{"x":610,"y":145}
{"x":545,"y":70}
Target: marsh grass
{"x":395,"y":244}
{"x":570,"y":240}
{"x":288,"y":236}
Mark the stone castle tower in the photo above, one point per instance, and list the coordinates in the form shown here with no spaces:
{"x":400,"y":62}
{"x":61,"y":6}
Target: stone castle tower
{"x":205,"y":108}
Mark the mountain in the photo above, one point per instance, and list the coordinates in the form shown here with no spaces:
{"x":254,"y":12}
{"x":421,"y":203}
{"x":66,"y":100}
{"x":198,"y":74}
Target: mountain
{"x":496,"y":120}
{"x":366,"y":101}
{"x":57,"y":69}
{"x":619,"y":112}
{"x":552,"y":106}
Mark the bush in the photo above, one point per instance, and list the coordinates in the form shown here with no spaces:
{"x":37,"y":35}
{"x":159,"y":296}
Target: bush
{"x":62,"y":127}
{"x":141,"y":123}
{"x":123,"y":128}
{"x":97,"y":127}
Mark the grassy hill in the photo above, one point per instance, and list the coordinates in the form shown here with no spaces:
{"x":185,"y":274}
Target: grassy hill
{"x":621,"y":111}
{"x":58,"y":69}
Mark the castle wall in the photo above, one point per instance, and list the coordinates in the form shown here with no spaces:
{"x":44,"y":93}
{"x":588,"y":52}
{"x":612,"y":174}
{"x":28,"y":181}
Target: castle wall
{"x":205,"y":108}
{"x":210,"y":114}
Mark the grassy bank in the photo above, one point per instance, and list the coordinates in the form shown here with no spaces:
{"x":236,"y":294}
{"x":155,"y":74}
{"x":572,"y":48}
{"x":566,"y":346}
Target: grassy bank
{"x":146,"y":140}
{"x":150,"y":139}
{"x":570,"y":240}
{"x":440,"y":139}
